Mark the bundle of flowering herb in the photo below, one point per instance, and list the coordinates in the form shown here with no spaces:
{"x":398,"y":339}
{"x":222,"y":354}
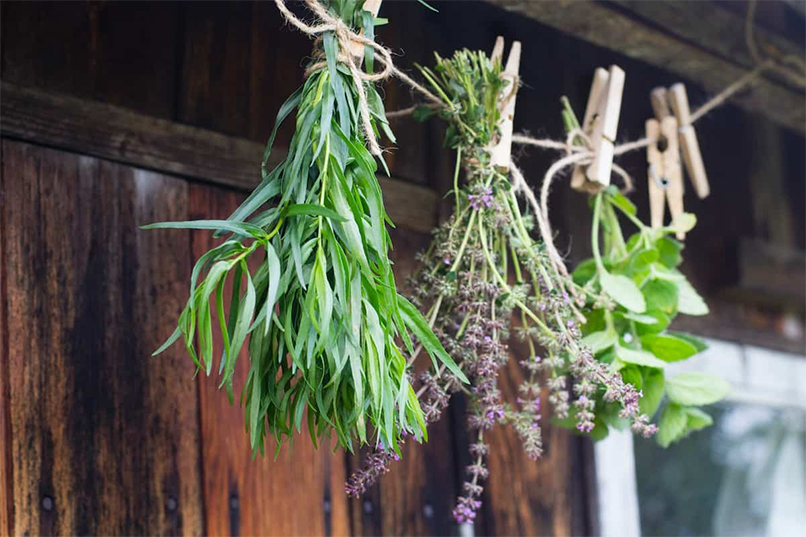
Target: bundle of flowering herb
{"x":321,"y":309}
{"x":484,"y":269}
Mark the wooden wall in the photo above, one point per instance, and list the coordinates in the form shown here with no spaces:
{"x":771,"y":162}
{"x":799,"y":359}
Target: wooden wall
{"x":99,"y":438}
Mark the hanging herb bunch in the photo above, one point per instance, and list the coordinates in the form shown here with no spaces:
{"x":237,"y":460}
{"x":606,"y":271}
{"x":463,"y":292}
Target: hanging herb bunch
{"x":321,"y":309}
{"x":484,"y":269}
{"x":635,"y":290}
{"x":485,"y":275}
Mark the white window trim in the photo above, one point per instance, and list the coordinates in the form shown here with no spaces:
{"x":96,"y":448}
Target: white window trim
{"x":759,"y":376}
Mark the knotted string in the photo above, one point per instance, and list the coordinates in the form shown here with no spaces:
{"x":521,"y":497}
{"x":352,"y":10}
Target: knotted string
{"x":346,"y":37}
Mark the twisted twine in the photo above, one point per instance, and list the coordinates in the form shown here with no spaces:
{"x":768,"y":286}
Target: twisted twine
{"x":346,"y":37}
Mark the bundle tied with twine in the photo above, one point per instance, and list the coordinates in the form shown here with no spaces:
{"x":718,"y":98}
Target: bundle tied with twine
{"x":346,"y":38}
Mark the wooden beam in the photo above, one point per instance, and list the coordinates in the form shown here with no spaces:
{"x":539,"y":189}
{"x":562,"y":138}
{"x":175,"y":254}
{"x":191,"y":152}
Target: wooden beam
{"x":706,"y":25}
{"x":121,"y":135}
{"x":609,"y":27}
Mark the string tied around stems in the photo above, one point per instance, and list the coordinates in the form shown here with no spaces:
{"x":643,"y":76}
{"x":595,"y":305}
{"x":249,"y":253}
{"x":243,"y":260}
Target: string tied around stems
{"x":346,"y":37}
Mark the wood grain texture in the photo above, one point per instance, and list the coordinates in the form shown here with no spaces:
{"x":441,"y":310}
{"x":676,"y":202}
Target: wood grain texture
{"x":411,"y":499}
{"x":602,"y":25}
{"x":525,"y":497}
{"x":707,"y":25}
{"x":121,"y":53}
{"x":118,"y":134}
{"x":300,"y":493}
{"x":104,"y":437}
{"x":6,"y":478}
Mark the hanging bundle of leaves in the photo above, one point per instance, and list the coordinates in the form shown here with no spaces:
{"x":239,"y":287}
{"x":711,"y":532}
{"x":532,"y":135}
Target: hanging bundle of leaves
{"x":321,"y":310}
{"x":635,"y":290}
{"x":486,"y":270}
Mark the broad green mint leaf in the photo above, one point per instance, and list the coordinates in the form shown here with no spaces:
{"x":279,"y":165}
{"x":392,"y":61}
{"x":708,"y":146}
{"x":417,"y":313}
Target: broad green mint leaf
{"x":652,"y":388}
{"x":638,"y":357}
{"x":624,"y":291}
{"x":669,"y":250}
{"x":668,"y":348}
{"x":599,"y":341}
{"x":695,"y":389}
{"x":672,"y":426}
{"x":661,"y":295}
{"x":697,"y":419}
{"x":699,"y":344}
{"x":689,"y":301}
{"x":638,"y":318}
{"x":584,"y":271}
{"x":684,"y":223}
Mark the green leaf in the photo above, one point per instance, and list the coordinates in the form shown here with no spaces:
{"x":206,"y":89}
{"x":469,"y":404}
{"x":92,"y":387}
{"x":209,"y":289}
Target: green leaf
{"x":584,"y":271}
{"x":689,"y":301}
{"x":308,"y":209}
{"x":684,"y":223}
{"x":661,"y":324}
{"x":652,"y":389}
{"x":240,"y":228}
{"x":667,"y":347}
{"x":696,"y":342}
{"x":623,"y":290}
{"x":669,"y":250}
{"x":639,"y":318}
{"x":695,"y":389}
{"x":672,"y":426}
{"x":621,"y":201}
{"x":697,"y":419}
{"x":638,"y":357}
{"x":419,"y":327}
{"x":660,"y":295}
{"x":170,"y":341}
{"x":599,"y":341}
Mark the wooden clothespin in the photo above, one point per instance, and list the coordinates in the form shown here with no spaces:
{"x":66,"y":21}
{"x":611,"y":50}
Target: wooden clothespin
{"x":500,"y":153}
{"x":598,"y":87}
{"x":688,"y":140}
{"x":600,"y":123}
{"x":664,"y":173}
{"x":373,"y":6}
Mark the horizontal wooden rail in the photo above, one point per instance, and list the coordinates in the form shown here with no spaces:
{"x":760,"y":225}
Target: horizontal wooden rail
{"x":121,"y":135}
{"x":612,"y":27}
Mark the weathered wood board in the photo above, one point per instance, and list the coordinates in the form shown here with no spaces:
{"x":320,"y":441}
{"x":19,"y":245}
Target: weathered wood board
{"x":299,"y":493}
{"x":104,"y":439}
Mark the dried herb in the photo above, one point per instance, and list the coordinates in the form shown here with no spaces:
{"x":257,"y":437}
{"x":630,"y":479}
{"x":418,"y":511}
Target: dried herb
{"x":483,"y":269}
{"x":321,"y":310}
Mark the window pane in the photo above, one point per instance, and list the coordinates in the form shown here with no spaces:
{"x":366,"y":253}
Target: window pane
{"x":744,"y":476}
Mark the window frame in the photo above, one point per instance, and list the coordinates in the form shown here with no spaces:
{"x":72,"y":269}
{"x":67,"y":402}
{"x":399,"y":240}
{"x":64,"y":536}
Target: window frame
{"x":757,"y":376}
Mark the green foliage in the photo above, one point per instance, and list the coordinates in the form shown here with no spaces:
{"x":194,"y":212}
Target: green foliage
{"x":321,"y":310}
{"x":637,"y":291}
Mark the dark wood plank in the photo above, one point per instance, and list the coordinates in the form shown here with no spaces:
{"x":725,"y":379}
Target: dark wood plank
{"x":707,"y":25}
{"x":214,"y":92}
{"x":104,"y":437}
{"x":118,"y":134}
{"x":6,"y":478}
{"x":525,"y":497}
{"x":416,"y":496}
{"x":600,"y":24}
{"x":300,"y":493}
{"x":122,"y":53}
